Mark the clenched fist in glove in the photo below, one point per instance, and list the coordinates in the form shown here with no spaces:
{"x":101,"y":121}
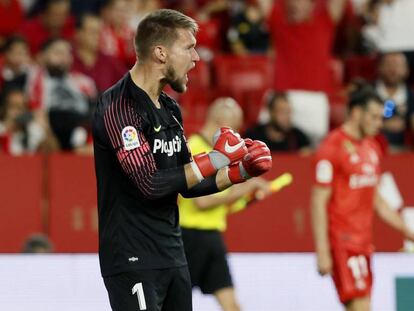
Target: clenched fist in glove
{"x":228,"y":148}
{"x":256,"y":162}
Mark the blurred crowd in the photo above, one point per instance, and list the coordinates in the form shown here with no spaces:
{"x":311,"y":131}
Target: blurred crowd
{"x":57,"y":56}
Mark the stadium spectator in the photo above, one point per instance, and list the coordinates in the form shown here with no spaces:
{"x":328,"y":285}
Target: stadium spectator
{"x":117,"y":34}
{"x":53,"y":21}
{"x":11,"y":18}
{"x":203,"y":219}
{"x":391,"y":86}
{"x":22,"y":131}
{"x":279,"y":134}
{"x":64,"y":95}
{"x":389,"y":25}
{"x":15,"y":63}
{"x":302,"y":33}
{"x":248,"y":32}
{"x":37,"y":244}
{"x":105,"y":70}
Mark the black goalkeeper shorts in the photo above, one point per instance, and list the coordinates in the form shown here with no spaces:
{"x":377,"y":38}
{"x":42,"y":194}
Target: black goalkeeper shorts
{"x":151,"y":290}
{"x":207,"y":259}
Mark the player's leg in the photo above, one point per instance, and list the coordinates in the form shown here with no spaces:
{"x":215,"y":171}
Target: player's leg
{"x":359,"y":304}
{"x":216,"y":278}
{"x":137,"y":290}
{"x":179,"y":295}
{"x":226,"y":297}
{"x":196,"y":252}
{"x":353,"y":279}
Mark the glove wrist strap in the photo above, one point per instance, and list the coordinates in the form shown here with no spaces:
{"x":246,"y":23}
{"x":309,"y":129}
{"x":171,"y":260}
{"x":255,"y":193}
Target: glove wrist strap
{"x":204,"y":165}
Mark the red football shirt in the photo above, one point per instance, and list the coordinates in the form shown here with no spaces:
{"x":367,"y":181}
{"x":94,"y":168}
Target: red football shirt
{"x":11,"y":17}
{"x":352,"y":168}
{"x":106,"y":71}
{"x":303,"y":50}
{"x":37,"y":34}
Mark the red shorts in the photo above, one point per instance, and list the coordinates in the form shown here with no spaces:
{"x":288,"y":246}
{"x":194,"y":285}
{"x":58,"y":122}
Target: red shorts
{"x":352,"y":274}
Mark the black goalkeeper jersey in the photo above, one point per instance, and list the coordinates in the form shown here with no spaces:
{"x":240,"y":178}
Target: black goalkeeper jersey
{"x":140,"y":151}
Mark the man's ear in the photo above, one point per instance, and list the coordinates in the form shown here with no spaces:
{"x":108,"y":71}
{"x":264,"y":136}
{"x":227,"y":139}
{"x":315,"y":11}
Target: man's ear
{"x":160,"y":53}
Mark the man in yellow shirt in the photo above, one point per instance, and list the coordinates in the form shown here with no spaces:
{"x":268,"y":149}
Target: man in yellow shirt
{"x":203,"y":219}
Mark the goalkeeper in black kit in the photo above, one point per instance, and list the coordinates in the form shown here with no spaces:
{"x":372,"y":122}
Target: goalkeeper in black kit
{"x":142,"y":162}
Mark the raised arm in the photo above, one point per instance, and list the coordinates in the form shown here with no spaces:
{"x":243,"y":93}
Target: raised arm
{"x":336,"y":9}
{"x":123,"y":126}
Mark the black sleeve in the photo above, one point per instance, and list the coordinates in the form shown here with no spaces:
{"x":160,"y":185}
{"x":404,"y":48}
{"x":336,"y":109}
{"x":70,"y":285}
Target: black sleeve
{"x":123,"y":127}
{"x":206,"y":187}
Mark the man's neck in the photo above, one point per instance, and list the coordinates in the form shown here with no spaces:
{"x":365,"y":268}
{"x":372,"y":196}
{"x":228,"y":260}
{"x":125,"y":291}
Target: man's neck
{"x":148,"y":79}
{"x":352,"y":129}
{"x":87,"y":57}
{"x":391,"y":88}
{"x":273,"y":134}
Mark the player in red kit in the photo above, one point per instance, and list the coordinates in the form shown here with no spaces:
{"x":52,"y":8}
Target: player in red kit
{"x":345,"y":198}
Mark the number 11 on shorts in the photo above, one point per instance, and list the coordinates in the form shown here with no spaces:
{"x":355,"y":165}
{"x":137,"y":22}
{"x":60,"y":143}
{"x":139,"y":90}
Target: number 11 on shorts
{"x":138,"y":289}
{"x":359,"y":269}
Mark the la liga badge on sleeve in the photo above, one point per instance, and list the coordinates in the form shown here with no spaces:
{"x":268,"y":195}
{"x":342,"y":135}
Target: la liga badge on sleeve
{"x":130,"y":138}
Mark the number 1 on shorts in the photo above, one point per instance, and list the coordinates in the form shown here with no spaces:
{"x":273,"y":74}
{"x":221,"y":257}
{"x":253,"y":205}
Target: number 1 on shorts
{"x":138,"y":289}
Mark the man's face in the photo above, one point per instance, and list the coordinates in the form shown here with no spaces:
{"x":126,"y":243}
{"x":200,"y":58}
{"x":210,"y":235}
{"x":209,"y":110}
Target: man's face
{"x":393,"y":69}
{"x":15,"y":105}
{"x":299,"y":10}
{"x":58,"y":57}
{"x":17,"y":56}
{"x":88,"y":36}
{"x":281,"y":115}
{"x":56,"y":15}
{"x":371,"y":119}
{"x":181,"y":58}
{"x":119,"y":13}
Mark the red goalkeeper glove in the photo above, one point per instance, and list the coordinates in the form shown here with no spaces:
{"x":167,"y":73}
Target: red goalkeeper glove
{"x":228,"y":148}
{"x":257,"y":162}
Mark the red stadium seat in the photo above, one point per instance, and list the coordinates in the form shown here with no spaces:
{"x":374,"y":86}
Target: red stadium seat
{"x":194,"y":105}
{"x":239,"y":74}
{"x":337,"y":75}
{"x":200,"y":76}
{"x":361,"y":67}
{"x":246,"y":78}
{"x":337,"y":103}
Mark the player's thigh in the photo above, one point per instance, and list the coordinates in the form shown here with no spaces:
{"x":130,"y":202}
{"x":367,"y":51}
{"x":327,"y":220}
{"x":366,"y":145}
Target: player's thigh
{"x":217,"y":274}
{"x":132,"y":291}
{"x":352,"y":275}
{"x":196,"y":252}
{"x":179,"y":295}
{"x":359,"y":304}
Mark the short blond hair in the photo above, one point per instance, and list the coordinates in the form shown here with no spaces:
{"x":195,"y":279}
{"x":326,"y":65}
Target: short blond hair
{"x":160,"y":27}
